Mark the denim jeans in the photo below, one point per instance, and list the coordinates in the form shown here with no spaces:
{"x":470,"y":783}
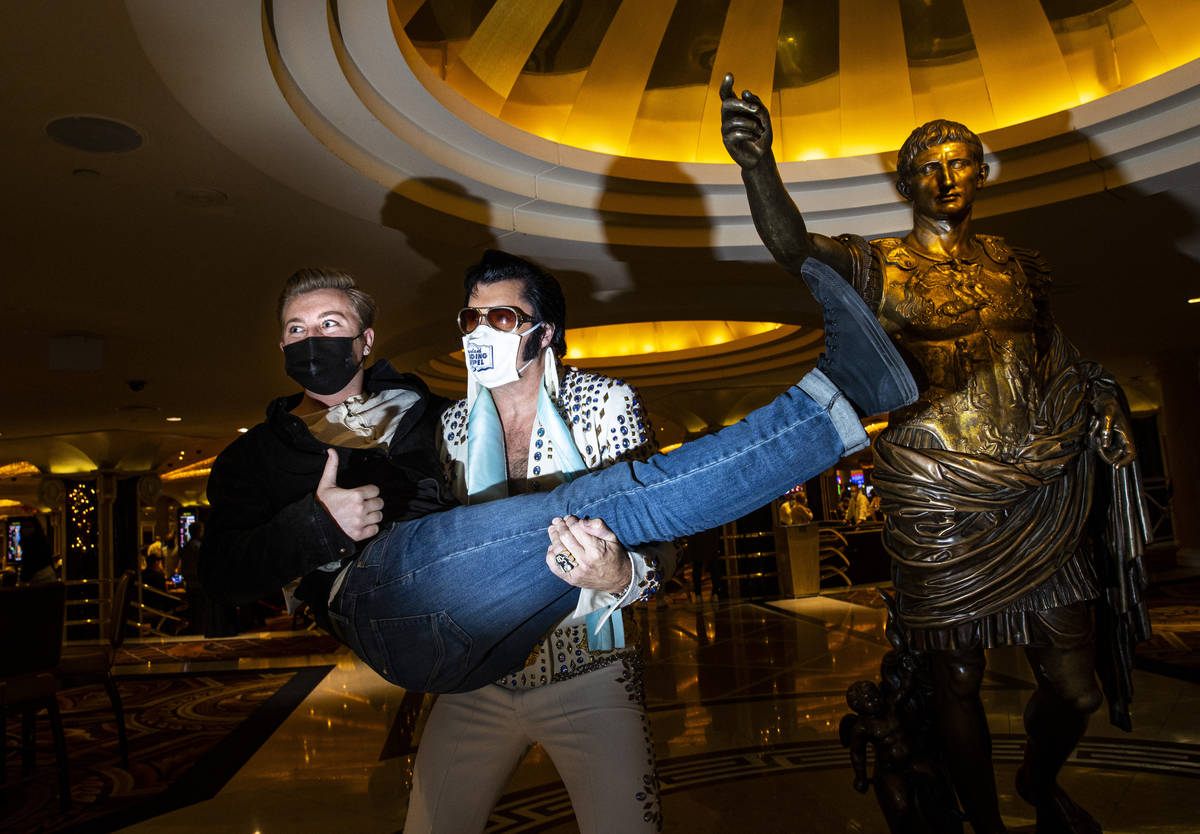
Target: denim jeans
{"x":452,"y":601}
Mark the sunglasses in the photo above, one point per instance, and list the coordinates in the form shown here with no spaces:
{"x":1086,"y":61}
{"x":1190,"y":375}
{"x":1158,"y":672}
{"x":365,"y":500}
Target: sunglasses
{"x":504,"y":319}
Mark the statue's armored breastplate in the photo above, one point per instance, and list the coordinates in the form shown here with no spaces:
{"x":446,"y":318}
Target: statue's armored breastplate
{"x":969,"y":324}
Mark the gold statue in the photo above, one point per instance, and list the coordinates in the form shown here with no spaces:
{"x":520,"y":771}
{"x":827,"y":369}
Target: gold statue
{"x":996,"y":481}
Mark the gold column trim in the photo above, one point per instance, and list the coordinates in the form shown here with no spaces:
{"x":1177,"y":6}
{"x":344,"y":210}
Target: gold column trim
{"x":608,"y":102}
{"x":1175,"y":25}
{"x":1015,"y":43}
{"x":876,"y":92}
{"x":498,"y":50}
{"x":749,"y":25}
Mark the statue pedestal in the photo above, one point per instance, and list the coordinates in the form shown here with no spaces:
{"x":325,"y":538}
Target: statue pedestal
{"x":798,"y":554}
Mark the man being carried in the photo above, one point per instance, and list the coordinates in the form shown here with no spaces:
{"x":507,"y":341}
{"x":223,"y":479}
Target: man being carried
{"x":342,"y":486}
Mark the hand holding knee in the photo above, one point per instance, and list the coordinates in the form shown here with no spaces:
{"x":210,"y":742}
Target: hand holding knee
{"x":601,"y":562}
{"x":357,"y":511}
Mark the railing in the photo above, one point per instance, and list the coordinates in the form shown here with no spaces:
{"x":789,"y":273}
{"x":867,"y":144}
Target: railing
{"x":738,"y":567}
{"x":89,"y":602}
{"x":154,"y":613}
{"x":832,"y":556}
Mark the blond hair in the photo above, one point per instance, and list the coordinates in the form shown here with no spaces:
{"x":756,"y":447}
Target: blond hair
{"x":308,"y":280}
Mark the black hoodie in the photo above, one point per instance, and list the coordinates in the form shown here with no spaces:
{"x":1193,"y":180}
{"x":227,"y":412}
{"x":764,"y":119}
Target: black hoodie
{"x":267,"y":527}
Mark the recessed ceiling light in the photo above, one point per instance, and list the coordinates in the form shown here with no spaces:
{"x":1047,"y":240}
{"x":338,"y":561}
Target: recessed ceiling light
{"x":174,"y":419}
{"x":201,"y":197}
{"x":243,"y":430}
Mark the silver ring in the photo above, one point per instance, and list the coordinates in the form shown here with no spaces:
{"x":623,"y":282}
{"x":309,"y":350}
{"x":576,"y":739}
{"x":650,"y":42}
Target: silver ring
{"x":565,"y":561}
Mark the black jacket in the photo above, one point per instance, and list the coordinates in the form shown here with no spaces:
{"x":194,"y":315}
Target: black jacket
{"x":267,"y":527}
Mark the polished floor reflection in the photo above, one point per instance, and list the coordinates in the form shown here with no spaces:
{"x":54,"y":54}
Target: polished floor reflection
{"x":744,"y":700}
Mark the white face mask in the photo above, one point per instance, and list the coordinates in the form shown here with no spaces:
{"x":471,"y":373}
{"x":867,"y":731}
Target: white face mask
{"x":492,"y":355}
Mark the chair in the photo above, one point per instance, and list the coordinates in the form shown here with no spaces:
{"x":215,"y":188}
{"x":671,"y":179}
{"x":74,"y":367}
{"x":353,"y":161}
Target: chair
{"x":158,"y":604}
{"x":834,"y":562}
{"x":83,"y":665}
{"x":32,"y":619}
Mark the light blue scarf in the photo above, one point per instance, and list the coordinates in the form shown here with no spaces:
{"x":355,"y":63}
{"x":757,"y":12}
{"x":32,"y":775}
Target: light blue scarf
{"x":487,"y":469}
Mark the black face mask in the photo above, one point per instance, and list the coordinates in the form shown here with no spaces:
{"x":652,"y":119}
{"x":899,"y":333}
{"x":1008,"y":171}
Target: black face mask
{"x":322,"y":364}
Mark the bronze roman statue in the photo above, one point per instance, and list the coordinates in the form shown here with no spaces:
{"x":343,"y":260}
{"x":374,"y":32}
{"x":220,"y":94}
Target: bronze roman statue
{"x":1014,"y":514}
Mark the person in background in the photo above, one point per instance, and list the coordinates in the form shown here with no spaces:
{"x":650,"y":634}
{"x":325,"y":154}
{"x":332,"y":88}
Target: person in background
{"x":170,"y":553}
{"x":874,"y":505}
{"x":527,"y":424}
{"x":37,"y":557}
{"x":153,"y":551}
{"x":857,"y":508}
{"x":197,"y":600}
{"x":794,"y":509}
{"x":704,"y":552}
{"x":154,"y":576}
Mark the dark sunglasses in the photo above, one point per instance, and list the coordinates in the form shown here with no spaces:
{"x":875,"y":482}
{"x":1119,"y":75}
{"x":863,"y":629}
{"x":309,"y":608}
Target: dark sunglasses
{"x":504,"y":319}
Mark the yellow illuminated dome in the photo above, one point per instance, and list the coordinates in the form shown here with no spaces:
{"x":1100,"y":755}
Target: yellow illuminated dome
{"x":639,"y":78}
{"x":668,"y":353}
{"x":652,"y":338}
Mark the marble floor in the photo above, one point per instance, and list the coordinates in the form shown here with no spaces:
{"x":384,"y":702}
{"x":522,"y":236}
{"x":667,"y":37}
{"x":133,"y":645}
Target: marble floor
{"x":744,"y":700}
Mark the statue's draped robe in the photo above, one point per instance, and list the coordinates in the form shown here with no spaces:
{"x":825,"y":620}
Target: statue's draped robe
{"x":990,"y":553}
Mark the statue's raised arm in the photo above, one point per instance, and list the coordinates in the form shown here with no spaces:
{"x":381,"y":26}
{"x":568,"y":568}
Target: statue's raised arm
{"x":746,"y":129}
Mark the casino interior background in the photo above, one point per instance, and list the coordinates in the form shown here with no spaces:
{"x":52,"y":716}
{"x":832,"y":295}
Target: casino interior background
{"x":168,"y":165}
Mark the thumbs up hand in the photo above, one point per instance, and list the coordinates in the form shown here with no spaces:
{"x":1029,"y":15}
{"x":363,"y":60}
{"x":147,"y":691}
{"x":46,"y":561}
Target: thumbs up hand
{"x":357,"y":511}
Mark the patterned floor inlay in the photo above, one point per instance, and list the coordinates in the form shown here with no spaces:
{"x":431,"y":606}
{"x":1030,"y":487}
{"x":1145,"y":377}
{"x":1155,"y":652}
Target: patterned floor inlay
{"x":539,"y":808}
{"x":188,"y":734}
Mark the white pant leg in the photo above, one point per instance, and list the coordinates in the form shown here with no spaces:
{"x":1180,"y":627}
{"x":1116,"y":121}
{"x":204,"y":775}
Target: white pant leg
{"x":595,"y":729}
{"x":470,"y":748}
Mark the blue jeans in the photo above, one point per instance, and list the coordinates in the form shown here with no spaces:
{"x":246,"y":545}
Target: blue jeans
{"x":454,"y":600}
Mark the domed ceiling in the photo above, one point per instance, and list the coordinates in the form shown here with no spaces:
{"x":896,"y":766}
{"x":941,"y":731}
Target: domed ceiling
{"x":639,"y":78}
{"x":598,"y":122}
